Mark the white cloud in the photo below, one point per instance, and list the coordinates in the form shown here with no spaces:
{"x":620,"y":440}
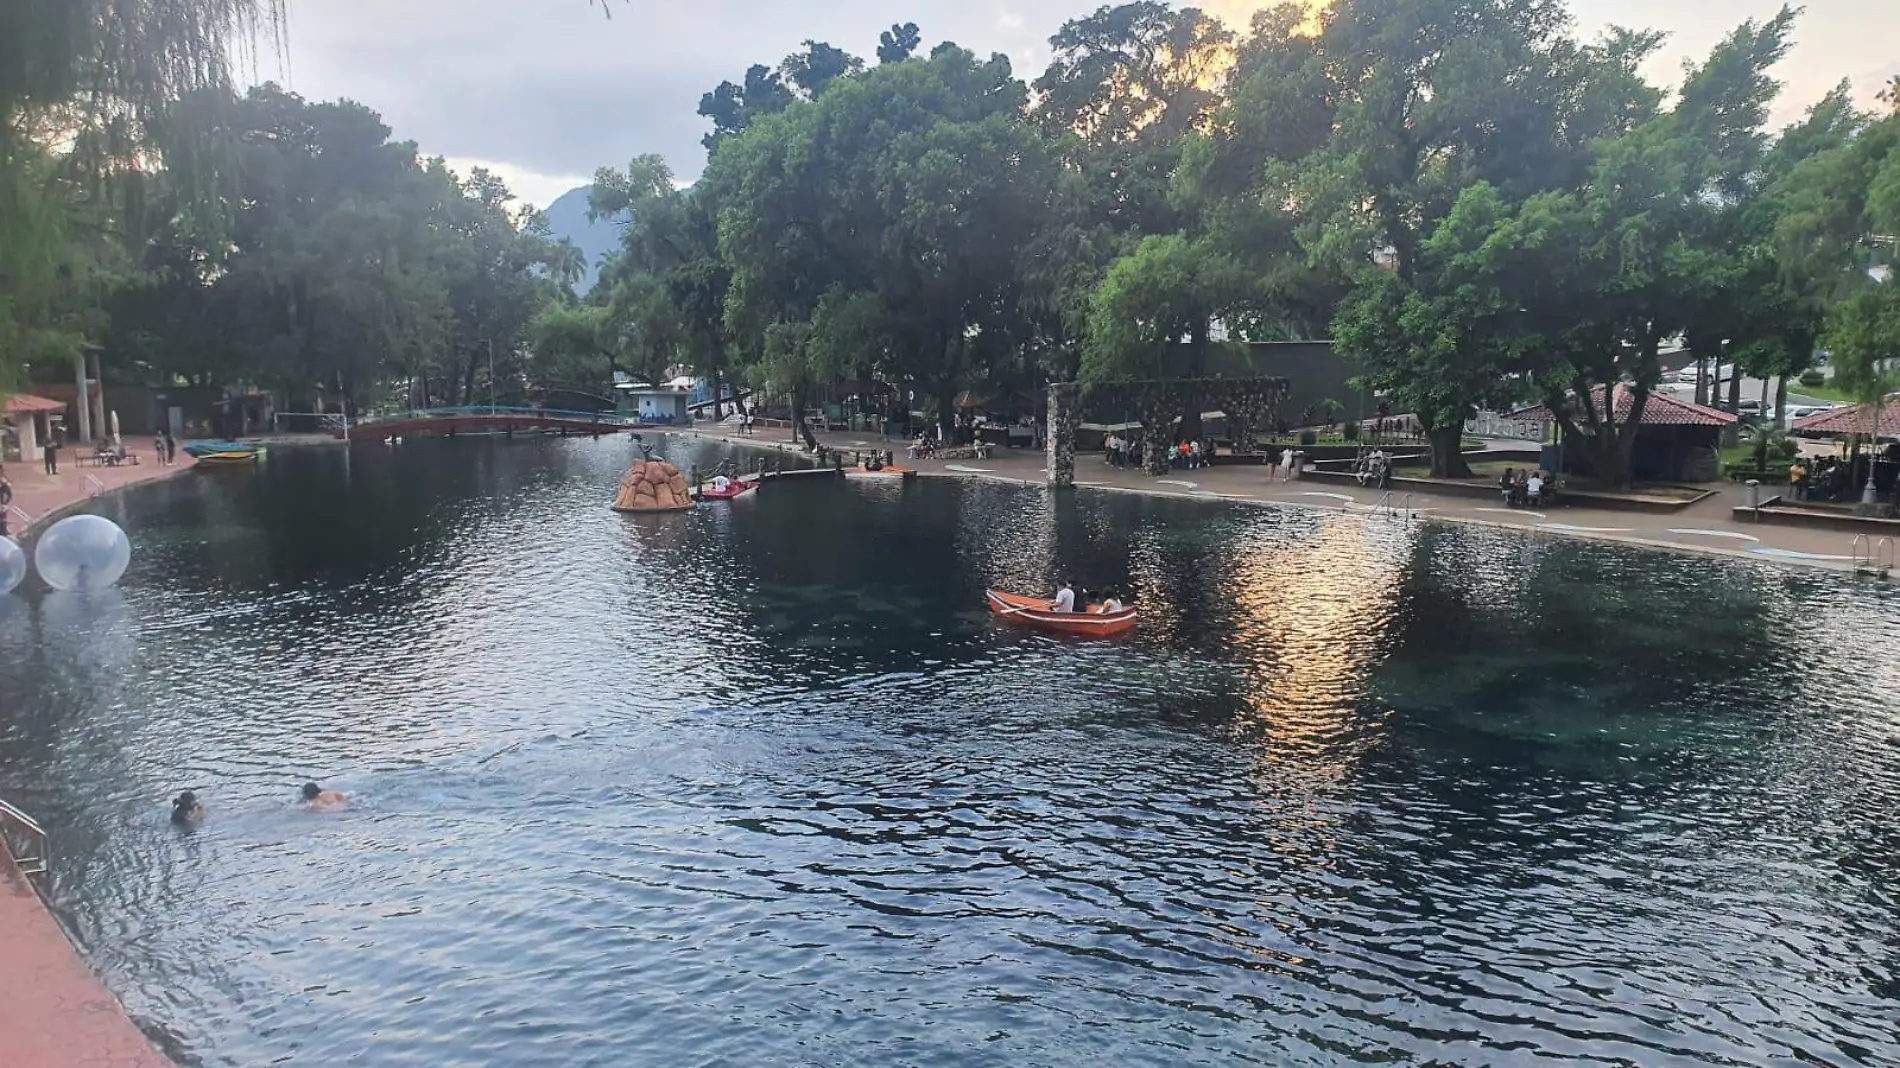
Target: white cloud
{"x":528,"y":185}
{"x":1010,"y":21}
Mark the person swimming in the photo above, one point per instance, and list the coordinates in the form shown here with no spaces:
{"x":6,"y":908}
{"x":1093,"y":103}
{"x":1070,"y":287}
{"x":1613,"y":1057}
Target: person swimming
{"x":317,"y":799}
{"x":187,"y":809}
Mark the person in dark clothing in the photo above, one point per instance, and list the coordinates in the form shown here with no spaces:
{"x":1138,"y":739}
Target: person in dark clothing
{"x":171,"y":449}
{"x":52,"y":456}
{"x":6,"y":500}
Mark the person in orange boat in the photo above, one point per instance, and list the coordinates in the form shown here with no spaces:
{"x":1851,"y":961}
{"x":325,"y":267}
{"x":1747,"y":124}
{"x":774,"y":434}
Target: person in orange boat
{"x":1064,"y":600}
{"x":1110,"y":605}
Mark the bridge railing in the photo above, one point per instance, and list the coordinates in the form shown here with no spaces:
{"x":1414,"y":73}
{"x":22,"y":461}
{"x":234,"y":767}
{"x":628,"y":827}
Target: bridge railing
{"x":468,"y":410}
{"x":24,"y":840}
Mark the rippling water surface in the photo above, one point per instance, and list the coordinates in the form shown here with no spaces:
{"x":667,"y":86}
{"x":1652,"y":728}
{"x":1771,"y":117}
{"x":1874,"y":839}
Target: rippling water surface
{"x":764,"y":784}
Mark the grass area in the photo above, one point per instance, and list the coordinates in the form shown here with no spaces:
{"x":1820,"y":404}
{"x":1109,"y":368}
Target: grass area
{"x":1827,"y":391}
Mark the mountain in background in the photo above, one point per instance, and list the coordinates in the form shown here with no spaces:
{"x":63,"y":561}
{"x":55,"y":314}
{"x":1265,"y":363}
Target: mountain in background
{"x":567,"y":217}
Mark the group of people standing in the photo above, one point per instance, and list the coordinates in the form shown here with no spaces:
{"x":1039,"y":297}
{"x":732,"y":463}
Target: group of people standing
{"x":166,"y":447}
{"x":1185,"y":455}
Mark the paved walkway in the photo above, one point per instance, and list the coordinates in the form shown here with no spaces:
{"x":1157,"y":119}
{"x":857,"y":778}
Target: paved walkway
{"x":40,"y":495}
{"x":1708,"y":526}
{"x":54,"y":1013}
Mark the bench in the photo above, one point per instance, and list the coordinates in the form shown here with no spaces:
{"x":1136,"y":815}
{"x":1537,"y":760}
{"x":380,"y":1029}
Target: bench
{"x":106,"y":459}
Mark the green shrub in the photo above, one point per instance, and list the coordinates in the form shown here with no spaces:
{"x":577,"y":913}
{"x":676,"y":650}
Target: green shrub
{"x":1813,"y":378}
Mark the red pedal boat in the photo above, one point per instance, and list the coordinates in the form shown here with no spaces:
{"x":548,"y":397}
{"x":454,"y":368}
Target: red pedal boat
{"x":733,"y":489}
{"x":1035,"y":612}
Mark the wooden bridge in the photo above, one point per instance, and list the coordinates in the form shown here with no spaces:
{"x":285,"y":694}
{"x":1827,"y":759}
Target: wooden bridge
{"x":485,"y":419}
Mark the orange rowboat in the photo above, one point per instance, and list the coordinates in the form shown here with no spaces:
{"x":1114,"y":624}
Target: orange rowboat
{"x":1035,"y":612}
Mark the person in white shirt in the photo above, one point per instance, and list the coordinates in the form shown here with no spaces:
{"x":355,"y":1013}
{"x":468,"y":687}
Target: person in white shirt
{"x":1111,"y":604}
{"x":1534,"y":489}
{"x":721,"y":484}
{"x":1286,"y":461}
{"x":1064,"y":599}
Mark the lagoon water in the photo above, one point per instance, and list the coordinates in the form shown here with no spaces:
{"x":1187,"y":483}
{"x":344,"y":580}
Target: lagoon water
{"x":764,"y":784}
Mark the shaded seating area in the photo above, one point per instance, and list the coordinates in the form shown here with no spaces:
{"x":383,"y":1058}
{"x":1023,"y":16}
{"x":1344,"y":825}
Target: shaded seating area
{"x":108,"y":455}
{"x":1843,"y":478}
{"x":1676,"y":441}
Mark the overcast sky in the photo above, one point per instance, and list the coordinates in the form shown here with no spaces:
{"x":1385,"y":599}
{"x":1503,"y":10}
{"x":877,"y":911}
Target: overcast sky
{"x":545,"y":91}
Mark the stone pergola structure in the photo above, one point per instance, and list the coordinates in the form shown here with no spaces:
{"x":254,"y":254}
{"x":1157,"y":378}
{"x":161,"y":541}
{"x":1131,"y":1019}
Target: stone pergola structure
{"x":1249,"y":403}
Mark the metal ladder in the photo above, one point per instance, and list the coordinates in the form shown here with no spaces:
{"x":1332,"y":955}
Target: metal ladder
{"x":1401,"y":510}
{"x":26,"y":842}
{"x":1873,"y":558}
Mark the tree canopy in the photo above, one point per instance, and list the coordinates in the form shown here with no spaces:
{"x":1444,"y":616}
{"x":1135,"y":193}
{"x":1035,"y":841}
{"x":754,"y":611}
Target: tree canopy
{"x":1478,"y":206}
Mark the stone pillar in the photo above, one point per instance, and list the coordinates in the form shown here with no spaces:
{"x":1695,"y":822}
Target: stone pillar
{"x":82,"y":406}
{"x":100,"y":425}
{"x":1065,"y":413}
{"x":1157,"y":431}
{"x":28,"y":424}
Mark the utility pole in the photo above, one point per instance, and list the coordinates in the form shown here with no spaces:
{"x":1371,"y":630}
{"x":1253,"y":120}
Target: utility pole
{"x":491,"y":376}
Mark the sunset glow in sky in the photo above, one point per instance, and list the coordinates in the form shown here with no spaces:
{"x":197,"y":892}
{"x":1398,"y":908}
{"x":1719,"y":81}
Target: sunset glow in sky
{"x":545,"y":91}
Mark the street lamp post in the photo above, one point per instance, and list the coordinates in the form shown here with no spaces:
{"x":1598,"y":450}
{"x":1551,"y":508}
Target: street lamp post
{"x":491,"y":376}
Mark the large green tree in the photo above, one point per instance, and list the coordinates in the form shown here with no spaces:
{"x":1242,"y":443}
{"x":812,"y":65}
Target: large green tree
{"x":894,"y":210}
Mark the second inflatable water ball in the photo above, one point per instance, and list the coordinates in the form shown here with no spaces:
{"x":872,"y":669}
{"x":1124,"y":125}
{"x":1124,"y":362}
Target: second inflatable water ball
{"x":12,"y":566}
{"x":85,"y":552}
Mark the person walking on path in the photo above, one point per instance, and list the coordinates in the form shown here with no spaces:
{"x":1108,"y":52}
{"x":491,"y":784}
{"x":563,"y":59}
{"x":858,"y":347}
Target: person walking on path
{"x":1286,"y":461}
{"x":171,"y":448}
{"x":52,"y":455}
{"x":1273,"y":465}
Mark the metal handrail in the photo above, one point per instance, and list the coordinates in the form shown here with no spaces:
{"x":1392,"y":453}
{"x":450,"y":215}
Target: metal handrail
{"x":25,"y":519}
{"x":94,"y":487}
{"x":1872,"y":557}
{"x":25,"y":840}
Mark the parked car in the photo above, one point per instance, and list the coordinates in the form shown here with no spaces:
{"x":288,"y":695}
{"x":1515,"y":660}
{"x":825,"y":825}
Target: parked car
{"x":1748,"y":407}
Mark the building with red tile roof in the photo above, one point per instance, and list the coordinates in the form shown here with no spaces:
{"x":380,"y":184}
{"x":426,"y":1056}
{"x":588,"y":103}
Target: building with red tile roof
{"x":1676,"y":440}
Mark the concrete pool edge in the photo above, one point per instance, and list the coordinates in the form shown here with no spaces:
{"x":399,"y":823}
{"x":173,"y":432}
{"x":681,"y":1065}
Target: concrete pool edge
{"x":1427,"y":512}
{"x":54,"y":1012}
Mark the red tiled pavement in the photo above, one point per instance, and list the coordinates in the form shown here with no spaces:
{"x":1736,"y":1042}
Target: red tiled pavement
{"x":39,"y":494}
{"x":53,"y":1012}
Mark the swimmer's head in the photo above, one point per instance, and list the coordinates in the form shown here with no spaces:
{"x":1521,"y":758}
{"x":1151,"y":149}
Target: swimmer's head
{"x":185,"y":808}
{"x":311,"y":790}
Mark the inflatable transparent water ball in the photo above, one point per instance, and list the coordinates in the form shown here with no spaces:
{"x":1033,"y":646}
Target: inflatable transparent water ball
{"x":12,"y":566}
{"x":85,"y":552}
